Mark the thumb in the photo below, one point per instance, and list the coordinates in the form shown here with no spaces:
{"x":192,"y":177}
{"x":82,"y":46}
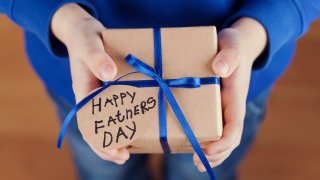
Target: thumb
{"x":101,"y":64}
{"x":226,"y":62}
{"x":90,"y":64}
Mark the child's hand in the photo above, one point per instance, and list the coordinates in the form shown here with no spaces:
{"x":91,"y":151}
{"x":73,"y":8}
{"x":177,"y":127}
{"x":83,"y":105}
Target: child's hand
{"x":90,"y":65}
{"x":239,"y":46}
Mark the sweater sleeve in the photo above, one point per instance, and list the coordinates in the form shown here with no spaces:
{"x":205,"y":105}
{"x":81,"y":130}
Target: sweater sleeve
{"x":35,"y":16}
{"x":284,"y":20}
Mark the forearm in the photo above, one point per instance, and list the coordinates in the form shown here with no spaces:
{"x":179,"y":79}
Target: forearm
{"x":253,"y":35}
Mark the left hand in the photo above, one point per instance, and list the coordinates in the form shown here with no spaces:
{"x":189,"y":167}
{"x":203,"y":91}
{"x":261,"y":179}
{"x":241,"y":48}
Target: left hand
{"x":89,"y":63}
{"x":239,"y":46}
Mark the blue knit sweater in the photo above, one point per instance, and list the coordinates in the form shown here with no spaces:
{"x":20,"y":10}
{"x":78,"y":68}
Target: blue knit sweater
{"x":284,"y":20}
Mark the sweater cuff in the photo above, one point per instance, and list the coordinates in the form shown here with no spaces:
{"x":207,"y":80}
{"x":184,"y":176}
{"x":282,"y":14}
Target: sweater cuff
{"x":40,"y":20}
{"x":281,"y":19}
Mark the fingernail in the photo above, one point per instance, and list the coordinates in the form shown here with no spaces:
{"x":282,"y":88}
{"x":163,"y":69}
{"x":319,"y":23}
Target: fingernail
{"x":221,"y":68}
{"x":107,"y":72}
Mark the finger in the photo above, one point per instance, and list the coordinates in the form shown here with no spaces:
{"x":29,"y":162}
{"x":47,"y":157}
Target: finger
{"x":216,"y":157}
{"x":97,"y":60}
{"x":124,"y":153}
{"x":201,"y":167}
{"x":89,"y":64}
{"x":213,"y":158}
{"x":83,"y":81}
{"x":119,"y":162}
{"x":231,"y":132}
{"x":227,"y":60}
{"x":119,"y":156}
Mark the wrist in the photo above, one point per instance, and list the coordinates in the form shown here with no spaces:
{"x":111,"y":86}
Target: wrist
{"x":65,"y":20}
{"x":253,"y":35}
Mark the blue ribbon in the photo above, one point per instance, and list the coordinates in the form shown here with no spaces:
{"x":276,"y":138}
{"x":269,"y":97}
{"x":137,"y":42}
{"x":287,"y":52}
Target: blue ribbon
{"x":164,"y":90}
{"x":161,"y":102}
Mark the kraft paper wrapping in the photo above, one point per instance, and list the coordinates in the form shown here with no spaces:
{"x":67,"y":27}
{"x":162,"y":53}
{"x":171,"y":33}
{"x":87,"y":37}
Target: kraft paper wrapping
{"x":186,"y":52}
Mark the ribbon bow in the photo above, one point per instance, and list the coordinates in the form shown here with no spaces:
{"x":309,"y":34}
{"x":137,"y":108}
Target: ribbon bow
{"x":164,"y":90}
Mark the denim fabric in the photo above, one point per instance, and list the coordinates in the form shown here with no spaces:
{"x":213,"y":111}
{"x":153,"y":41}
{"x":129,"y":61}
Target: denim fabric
{"x":177,"y":166}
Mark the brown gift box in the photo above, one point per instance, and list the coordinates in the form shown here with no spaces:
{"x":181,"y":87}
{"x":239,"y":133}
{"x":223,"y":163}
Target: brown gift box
{"x":186,"y":52}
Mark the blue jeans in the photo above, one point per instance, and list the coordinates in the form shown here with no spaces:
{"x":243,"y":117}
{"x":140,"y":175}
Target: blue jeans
{"x":176,"y":166}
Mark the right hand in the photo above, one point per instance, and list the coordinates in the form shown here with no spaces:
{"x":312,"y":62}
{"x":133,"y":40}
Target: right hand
{"x":90,"y":64}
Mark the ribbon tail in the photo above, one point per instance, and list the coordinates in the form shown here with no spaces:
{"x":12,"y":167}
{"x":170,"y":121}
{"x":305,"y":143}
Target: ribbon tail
{"x":185,"y":126}
{"x":163,"y":122}
{"x":74,"y":111}
{"x":65,"y":125}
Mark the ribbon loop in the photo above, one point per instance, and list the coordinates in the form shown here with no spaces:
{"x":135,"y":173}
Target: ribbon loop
{"x":140,"y":66}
